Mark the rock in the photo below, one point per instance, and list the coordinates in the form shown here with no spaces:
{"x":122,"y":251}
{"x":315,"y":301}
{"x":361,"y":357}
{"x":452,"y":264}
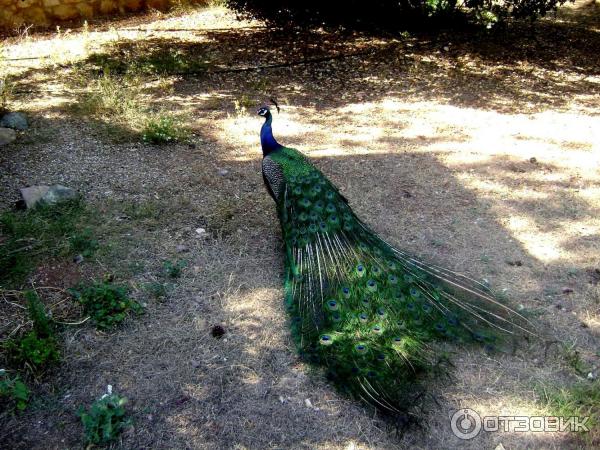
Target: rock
{"x":14,"y":120}
{"x":200,"y":231}
{"x":48,"y":194}
{"x":7,"y":136}
{"x":78,"y":259}
{"x":567,"y":290}
{"x":223,"y":172}
{"x":182,"y":248}
{"x":591,"y":376}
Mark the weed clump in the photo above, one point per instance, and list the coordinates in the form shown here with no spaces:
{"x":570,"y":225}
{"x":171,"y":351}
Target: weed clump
{"x":14,"y":394}
{"x":104,"y":421}
{"x":36,"y":350}
{"x":106,"y":304}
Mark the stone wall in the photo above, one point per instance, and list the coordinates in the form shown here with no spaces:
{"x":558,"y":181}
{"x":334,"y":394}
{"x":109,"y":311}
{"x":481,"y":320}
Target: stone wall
{"x":14,"y":13}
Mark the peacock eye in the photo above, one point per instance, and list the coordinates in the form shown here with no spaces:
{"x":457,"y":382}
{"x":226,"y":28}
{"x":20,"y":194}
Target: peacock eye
{"x":371,"y":285}
{"x":346,"y":292}
{"x":325,"y":339}
{"x":363,"y":317}
{"x":376,"y":329}
{"x":333,"y":305}
{"x":360,"y":348}
{"x":381,"y":357}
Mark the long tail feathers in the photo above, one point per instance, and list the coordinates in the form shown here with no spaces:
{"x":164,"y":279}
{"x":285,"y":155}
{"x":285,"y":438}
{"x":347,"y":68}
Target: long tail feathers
{"x":369,"y":313}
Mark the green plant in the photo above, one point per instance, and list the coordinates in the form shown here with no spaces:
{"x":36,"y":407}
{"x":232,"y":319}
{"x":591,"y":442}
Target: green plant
{"x":163,"y":129}
{"x":33,"y":352}
{"x":37,"y":313}
{"x":13,"y":392}
{"x":84,"y":242}
{"x":173,"y":269}
{"x":104,"y":420}
{"x":105,"y":303}
{"x":37,"y":349}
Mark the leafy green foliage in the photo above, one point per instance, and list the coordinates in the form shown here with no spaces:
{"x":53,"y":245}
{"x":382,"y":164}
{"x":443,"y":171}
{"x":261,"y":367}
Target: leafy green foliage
{"x":33,"y":235}
{"x":163,"y":129}
{"x":37,"y":313}
{"x":106,"y":304}
{"x":37,"y":349}
{"x":173,"y":269}
{"x":387,"y":14}
{"x":14,"y":394}
{"x":33,"y":351}
{"x":104,"y":420}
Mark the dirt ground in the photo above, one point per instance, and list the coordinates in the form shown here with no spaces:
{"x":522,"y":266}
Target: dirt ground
{"x":478,"y":152}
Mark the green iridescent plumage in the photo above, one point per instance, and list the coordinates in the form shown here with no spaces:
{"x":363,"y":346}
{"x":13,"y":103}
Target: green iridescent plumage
{"x":368,"y":313}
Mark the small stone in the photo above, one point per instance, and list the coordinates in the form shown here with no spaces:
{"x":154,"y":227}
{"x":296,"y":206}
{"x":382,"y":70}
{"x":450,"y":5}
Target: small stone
{"x":446,"y":48}
{"x":591,"y":376}
{"x":308,"y":403}
{"x":223,"y":172}
{"x":182,"y":248}
{"x":14,"y":120}
{"x":200,"y":231}
{"x":567,"y":290}
{"x":48,"y":194}
{"x":7,"y":136}
{"x":281,"y":399}
{"x":195,"y":364}
{"x":533,"y":160}
{"x":78,"y":259}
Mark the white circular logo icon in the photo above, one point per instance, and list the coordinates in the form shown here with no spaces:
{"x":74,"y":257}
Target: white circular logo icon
{"x":465,"y":423}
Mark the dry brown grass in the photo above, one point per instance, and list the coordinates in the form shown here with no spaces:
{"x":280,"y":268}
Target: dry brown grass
{"x":483,"y":158}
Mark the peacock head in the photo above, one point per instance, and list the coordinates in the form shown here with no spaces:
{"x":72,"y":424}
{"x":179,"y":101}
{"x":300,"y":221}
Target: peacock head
{"x":263,"y":111}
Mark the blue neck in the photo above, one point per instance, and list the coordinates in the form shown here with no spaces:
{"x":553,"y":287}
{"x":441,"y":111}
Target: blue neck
{"x":267,"y":141}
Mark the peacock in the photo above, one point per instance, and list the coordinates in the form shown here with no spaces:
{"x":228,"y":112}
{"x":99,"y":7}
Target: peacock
{"x":374,"y":317}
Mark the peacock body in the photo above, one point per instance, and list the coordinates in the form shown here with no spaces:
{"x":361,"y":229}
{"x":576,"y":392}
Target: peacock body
{"x":371,"y":315}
